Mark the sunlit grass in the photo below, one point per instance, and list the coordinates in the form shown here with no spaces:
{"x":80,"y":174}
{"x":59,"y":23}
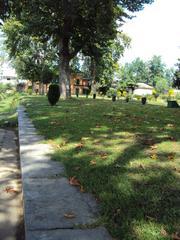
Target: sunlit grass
{"x":126,"y":154}
{"x":8,"y":114}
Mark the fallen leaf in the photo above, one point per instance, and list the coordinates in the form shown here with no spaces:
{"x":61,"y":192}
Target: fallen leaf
{"x":92,"y":162}
{"x":55,"y":123}
{"x":170,"y":125}
{"x":171,"y":156}
{"x":175,"y":236}
{"x":82,"y":189}
{"x":164,"y":233}
{"x":74,"y":181}
{"x":62,"y":144}
{"x":84,"y":138}
{"x":154,"y":156}
{"x":69,"y":215}
{"x":176,"y":169}
{"x":79,"y":146}
{"x":153,"y":147}
{"x":104,"y":156}
{"x":10,"y":190}
{"x":141,"y":166}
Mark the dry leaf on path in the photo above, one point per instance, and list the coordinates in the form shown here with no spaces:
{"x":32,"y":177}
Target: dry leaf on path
{"x":69,"y":215}
{"x":10,"y":190}
{"x":74,"y":181}
{"x":82,"y":189}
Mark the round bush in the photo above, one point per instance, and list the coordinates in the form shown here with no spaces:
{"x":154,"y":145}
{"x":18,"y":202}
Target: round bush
{"x":53,"y":94}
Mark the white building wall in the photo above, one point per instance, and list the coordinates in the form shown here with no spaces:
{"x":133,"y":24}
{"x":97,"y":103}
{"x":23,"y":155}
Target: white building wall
{"x":143,"y":92}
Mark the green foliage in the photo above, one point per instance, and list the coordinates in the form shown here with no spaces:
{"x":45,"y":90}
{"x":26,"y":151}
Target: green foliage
{"x":161,"y":84}
{"x":53,"y":94}
{"x":32,"y":58}
{"x":157,"y":69}
{"x":149,"y":72}
{"x":176,"y":81}
{"x":171,"y":94}
{"x":73,"y":25}
{"x":8,"y":113}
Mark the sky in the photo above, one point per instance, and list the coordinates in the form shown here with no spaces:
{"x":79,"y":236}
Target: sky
{"x":155,"y":31}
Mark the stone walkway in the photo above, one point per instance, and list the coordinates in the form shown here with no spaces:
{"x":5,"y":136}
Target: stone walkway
{"x":54,"y":210}
{"x":11,"y":227}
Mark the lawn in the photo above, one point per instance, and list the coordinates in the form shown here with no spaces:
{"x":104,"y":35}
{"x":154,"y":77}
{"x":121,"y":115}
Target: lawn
{"x":8,"y":115}
{"x":125,"y":154}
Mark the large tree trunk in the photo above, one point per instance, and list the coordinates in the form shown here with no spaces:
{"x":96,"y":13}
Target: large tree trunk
{"x":64,"y":71}
{"x":33,"y":86}
{"x":93,"y":69}
{"x":41,"y":88}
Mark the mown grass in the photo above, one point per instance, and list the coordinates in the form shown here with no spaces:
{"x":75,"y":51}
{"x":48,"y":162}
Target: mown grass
{"x":126,"y":154}
{"x":8,"y":106}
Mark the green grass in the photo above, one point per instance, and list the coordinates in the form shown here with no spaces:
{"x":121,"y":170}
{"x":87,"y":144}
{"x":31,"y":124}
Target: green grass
{"x":8,"y":115}
{"x":126,"y":154}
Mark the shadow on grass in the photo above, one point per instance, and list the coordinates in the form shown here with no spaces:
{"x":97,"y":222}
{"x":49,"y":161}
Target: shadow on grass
{"x":138,"y":195}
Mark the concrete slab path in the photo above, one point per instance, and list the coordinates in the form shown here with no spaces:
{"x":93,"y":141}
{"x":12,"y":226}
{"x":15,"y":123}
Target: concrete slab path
{"x":11,"y":214}
{"x":49,"y":199}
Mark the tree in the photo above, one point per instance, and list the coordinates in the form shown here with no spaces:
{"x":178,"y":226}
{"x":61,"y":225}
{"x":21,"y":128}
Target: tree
{"x":72,"y":24}
{"x":176,"y":78}
{"x":161,"y":84}
{"x":137,"y":71}
{"x":153,"y":72}
{"x":33,"y":57}
{"x":157,"y":69}
{"x":101,"y":63}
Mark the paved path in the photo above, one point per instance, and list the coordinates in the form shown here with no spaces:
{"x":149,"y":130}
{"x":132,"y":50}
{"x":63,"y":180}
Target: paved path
{"x":10,"y":188}
{"x":49,"y":200}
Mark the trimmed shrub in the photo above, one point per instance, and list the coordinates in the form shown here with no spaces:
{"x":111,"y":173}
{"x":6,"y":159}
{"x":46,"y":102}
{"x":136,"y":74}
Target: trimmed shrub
{"x":53,"y":94}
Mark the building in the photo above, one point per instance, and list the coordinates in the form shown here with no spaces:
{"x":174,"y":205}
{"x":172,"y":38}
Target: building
{"x":8,"y":75}
{"x":143,"y":89}
{"x":79,"y":84}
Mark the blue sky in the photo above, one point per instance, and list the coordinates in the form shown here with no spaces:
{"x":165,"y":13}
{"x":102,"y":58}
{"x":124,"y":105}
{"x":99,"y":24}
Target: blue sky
{"x":155,"y":31}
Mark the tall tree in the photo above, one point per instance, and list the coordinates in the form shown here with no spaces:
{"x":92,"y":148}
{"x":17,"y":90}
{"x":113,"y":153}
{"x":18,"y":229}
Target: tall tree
{"x":33,"y":57}
{"x":103,"y":60}
{"x":157,"y":69}
{"x":176,"y":81}
{"x":73,"y":24}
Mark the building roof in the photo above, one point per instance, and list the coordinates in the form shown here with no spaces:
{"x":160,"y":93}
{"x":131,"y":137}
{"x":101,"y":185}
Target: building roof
{"x":144,"y":86}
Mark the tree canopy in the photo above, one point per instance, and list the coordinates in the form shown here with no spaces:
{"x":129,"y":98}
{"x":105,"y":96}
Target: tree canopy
{"x":153,"y":72}
{"x":32,"y":57}
{"x":176,"y":81}
{"x":73,"y":25}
